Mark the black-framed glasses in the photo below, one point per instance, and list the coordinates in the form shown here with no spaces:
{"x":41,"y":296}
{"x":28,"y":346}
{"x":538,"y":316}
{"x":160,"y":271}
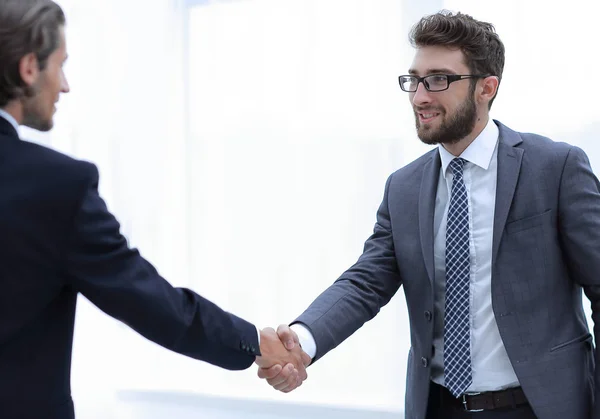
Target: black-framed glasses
{"x":434,"y":82}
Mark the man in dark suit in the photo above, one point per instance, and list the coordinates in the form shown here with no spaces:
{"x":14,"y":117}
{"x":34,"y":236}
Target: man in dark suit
{"x":494,"y":234}
{"x":58,"y":239}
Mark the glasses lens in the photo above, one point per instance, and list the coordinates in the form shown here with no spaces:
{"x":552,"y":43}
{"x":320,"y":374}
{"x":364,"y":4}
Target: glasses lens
{"x":408,"y":83}
{"x":436,"y":82}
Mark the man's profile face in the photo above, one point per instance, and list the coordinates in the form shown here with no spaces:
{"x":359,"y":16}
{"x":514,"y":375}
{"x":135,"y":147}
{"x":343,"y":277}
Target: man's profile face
{"x":38,"y":111}
{"x":448,"y":116}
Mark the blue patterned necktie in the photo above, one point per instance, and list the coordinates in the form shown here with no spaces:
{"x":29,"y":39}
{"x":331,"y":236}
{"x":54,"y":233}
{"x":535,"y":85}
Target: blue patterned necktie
{"x":457,"y":331}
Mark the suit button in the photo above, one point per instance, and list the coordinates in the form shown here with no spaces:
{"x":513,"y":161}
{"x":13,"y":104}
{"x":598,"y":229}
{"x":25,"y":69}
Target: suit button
{"x":424,"y":362}
{"x":428,"y":316}
{"x":252,"y":349}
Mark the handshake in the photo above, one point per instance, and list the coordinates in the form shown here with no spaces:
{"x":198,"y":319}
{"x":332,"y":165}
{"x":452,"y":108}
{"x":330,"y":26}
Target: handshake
{"x":282,"y":362}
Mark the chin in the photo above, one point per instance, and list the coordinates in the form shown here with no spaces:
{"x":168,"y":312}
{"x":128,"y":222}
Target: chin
{"x":427,"y":135}
{"x":47,"y":123}
{"x":37,"y":120}
{"x":43,"y":126}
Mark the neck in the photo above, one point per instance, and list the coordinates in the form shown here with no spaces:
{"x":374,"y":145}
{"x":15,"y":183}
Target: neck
{"x":457,"y":148}
{"x":15,"y":110}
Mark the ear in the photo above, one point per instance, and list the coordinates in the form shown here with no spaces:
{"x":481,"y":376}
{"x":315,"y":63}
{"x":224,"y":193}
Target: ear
{"x":29,"y":69}
{"x":488,"y":88}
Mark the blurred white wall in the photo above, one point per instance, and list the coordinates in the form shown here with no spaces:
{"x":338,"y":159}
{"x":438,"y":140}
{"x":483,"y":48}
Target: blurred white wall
{"x":244,"y":146}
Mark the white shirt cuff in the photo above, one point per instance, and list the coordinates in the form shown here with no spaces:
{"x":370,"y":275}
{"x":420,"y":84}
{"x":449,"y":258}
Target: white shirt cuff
{"x":307,"y":341}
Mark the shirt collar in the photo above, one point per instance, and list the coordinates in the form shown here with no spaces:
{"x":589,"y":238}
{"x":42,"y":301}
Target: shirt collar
{"x":479,"y":152}
{"x":9,"y":118}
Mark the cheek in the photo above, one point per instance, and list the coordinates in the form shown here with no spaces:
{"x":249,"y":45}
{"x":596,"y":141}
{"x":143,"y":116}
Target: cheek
{"x":58,"y":79}
{"x":450,"y":107}
{"x":45,"y":100}
{"x":52,"y":80}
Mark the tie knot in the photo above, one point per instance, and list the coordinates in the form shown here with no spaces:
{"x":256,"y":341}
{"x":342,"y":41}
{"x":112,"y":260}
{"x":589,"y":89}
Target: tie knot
{"x":457,"y":165}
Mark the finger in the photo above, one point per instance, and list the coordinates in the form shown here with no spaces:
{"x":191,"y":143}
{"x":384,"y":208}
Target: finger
{"x":289,"y":384}
{"x":297,"y":384}
{"x":306,"y":359}
{"x":283,"y":376}
{"x":270,"y":372}
{"x":282,"y":387}
{"x":301,"y":369}
{"x":287,"y":336}
{"x":299,"y":363}
{"x":278,"y":380}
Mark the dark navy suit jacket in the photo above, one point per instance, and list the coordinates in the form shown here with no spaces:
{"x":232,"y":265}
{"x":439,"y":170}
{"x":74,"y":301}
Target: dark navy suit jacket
{"x":57,"y":239}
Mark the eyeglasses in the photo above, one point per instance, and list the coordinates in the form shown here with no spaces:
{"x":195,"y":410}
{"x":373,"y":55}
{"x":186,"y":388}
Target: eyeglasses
{"x":434,"y":82}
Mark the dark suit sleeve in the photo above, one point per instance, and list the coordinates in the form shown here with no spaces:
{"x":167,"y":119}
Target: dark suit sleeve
{"x":121,"y":283}
{"x":360,"y":292}
{"x":579,"y":224}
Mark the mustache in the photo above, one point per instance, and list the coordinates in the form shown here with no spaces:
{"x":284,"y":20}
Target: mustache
{"x":423,"y":110}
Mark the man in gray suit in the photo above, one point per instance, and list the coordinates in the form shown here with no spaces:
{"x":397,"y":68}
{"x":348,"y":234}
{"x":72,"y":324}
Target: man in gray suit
{"x":494,"y":234}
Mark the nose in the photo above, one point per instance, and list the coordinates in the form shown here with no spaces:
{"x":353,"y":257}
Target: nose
{"x":64,"y":85}
{"x":422,"y":96}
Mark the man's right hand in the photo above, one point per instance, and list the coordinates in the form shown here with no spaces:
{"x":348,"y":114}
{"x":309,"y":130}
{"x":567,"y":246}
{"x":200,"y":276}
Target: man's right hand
{"x":291,"y":376}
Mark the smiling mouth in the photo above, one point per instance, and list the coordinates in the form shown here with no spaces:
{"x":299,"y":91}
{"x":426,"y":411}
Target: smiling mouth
{"x":426,"y":117}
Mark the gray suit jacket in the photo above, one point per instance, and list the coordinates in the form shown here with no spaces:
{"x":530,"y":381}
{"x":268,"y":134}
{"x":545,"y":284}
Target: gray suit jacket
{"x":546,"y":249}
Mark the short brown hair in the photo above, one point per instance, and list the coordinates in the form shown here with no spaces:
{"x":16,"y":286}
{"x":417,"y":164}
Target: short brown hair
{"x":26,"y":26}
{"x":479,"y":42}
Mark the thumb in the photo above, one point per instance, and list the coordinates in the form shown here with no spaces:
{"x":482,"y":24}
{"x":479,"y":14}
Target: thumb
{"x":287,"y":336}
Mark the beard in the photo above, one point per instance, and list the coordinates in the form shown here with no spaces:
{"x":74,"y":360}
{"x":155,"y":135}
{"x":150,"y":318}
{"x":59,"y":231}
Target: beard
{"x":38,"y":122}
{"x":36,"y":114}
{"x":451,"y":129}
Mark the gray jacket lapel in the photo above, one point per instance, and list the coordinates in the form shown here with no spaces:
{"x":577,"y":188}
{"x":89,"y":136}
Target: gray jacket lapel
{"x":509,"y":167}
{"x":429,"y":182}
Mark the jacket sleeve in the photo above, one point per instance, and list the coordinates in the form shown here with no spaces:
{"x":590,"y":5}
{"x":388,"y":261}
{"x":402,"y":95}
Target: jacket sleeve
{"x":360,"y":292}
{"x":115,"y":278}
{"x":579,"y":222}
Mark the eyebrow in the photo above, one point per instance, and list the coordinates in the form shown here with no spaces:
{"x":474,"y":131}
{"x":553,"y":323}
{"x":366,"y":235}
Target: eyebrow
{"x":412,"y":71}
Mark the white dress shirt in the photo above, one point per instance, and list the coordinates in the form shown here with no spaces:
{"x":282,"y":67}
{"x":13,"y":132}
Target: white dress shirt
{"x":491,"y":367}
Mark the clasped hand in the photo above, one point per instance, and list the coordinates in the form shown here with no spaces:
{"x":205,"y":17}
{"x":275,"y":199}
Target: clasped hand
{"x":282,"y":362}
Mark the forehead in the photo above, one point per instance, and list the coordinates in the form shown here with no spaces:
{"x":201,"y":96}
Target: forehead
{"x":63,"y":40}
{"x":60,"y":52}
{"x":436,"y":59}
